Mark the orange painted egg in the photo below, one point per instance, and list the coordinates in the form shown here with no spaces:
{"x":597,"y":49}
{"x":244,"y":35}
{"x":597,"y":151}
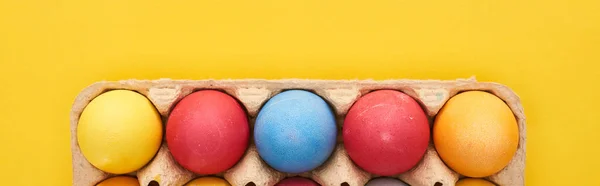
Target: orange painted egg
{"x":473,"y":182}
{"x":119,"y":181}
{"x":476,"y":134}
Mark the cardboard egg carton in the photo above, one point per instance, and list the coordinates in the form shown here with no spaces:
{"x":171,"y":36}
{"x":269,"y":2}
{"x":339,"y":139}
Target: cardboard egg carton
{"x":338,"y":170}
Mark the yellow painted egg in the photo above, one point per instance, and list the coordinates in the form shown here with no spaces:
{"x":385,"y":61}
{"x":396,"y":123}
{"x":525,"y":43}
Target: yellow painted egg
{"x":473,"y":182}
{"x":476,"y":134}
{"x":119,"y":131}
{"x":208,"y":181}
{"x":119,"y":181}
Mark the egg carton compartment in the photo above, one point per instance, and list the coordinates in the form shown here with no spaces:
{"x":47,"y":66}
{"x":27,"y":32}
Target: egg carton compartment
{"x":338,"y":170}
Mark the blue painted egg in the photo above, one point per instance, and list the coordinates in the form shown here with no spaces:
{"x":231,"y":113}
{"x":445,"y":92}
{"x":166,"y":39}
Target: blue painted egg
{"x":295,"y":131}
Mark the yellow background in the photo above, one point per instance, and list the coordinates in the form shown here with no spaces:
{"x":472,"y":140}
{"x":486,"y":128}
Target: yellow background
{"x":546,"y":50}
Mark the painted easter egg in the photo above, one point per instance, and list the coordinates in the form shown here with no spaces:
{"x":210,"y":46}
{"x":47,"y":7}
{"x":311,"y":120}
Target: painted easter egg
{"x":473,"y":182}
{"x":208,"y":181}
{"x":386,"y":182}
{"x":297,"y":181}
{"x":476,"y":134}
{"x":295,"y":131}
{"x":119,"y":131}
{"x":119,"y":181}
{"x":207,"y":132}
{"x":386,"y":132}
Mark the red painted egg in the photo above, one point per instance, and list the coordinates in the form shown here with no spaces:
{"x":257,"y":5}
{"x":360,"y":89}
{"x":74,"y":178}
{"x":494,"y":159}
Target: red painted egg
{"x":207,"y":132}
{"x":386,"y":132}
{"x":297,"y":181}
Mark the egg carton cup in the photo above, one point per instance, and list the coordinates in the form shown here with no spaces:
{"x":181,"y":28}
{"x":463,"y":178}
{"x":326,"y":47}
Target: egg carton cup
{"x":338,"y":170}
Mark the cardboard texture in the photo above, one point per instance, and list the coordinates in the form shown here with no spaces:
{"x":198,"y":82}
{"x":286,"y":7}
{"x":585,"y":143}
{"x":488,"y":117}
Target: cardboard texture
{"x":341,"y":94}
